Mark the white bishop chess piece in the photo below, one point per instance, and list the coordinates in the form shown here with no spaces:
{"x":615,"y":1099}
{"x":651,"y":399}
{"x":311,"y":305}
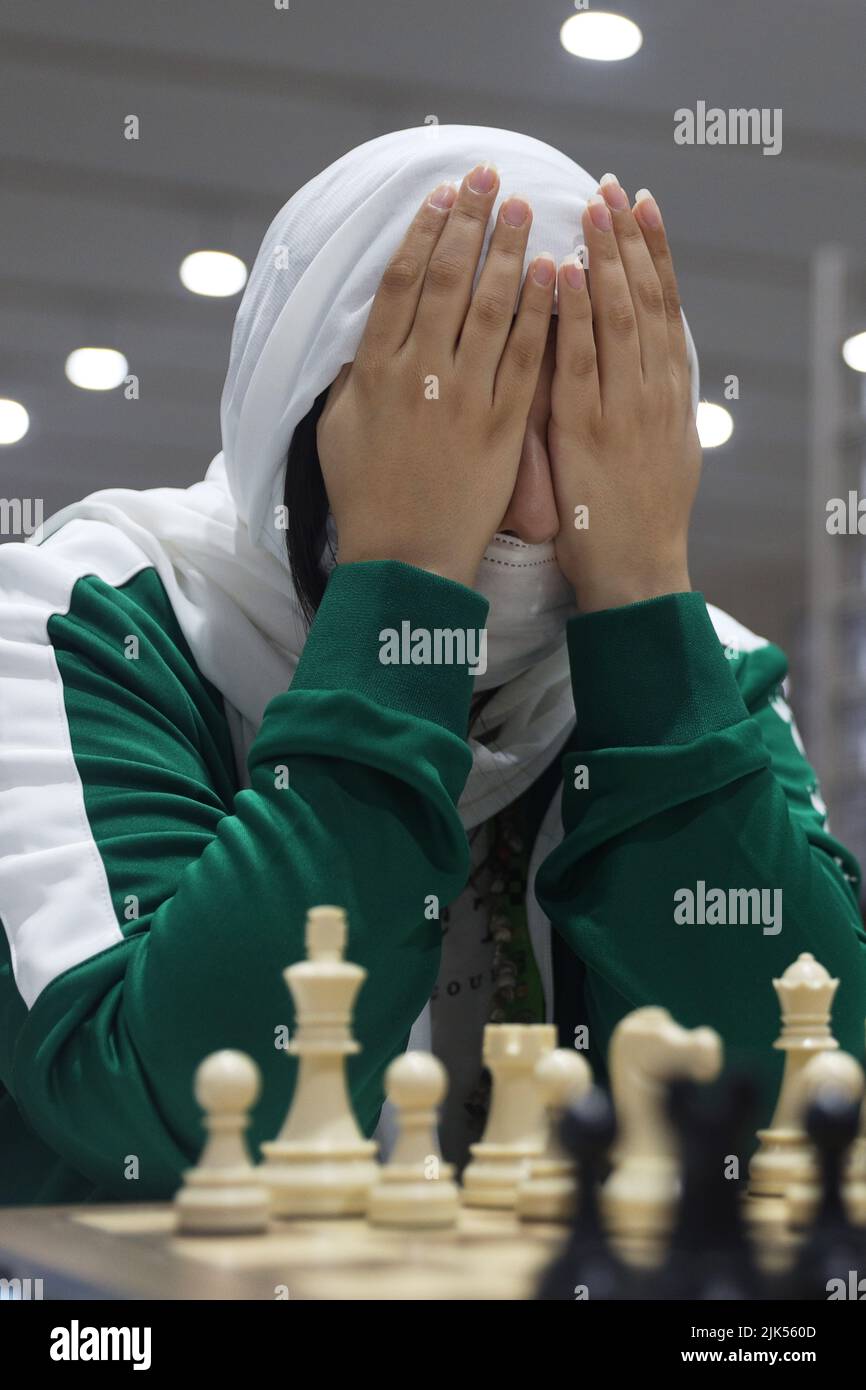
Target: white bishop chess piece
{"x":827,"y":1074}
{"x":320,"y":1164}
{"x":224,"y":1194}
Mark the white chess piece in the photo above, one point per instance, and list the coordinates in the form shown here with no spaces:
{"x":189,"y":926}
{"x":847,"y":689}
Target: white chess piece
{"x":224,"y":1193}
{"x":648,"y":1050}
{"x":827,"y":1073}
{"x":805,"y":994}
{"x":548,"y":1190}
{"x":515,"y":1127}
{"x":320,"y":1164}
{"x":415,"y":1187}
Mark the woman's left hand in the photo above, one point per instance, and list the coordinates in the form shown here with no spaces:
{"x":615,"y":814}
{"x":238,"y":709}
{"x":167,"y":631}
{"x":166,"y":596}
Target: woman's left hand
{"x":622,"y":437}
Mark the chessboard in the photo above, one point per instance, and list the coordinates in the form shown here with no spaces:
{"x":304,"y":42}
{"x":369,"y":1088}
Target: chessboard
{"x":132,"y":1251}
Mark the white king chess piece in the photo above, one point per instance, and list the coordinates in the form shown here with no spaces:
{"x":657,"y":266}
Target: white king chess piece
{"x":320,"y":1164}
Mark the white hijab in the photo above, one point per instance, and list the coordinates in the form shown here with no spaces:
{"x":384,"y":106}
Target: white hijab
{"x":217,"y":545}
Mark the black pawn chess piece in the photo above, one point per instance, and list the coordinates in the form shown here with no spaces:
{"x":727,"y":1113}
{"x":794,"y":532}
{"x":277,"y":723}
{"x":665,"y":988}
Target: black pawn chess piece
{"x":586,"y":1266}
{"x":709,"y":1256}
{"x":834,"y":1249}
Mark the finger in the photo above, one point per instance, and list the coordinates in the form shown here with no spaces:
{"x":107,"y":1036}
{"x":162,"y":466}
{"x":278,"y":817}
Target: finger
{"x":517,"y":374}
{"x":575,"y":396}
{"x":448,"y":282}
{"x":491,"y":310}
{"x":643,"y":282}
{"x":616,"y":337}
{"x":394,"y":306}
{"x":649,"y":219}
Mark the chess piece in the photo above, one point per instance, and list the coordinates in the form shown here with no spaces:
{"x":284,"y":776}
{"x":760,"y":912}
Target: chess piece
{"x":805,"y":994}
{"x":415,"y":1188}
{"x":833,"y":1256}
{"x":586,"y":1268}
{"x":224,"y":1193}
{"x":647,"y":1050}
{"x":855,"y":1191}
{"x":320,"y":1164}
{"x":548,"y":1189}
{"x":709,"y":1256}
{"x":515,"y":1125}
{"x":827,"y":1073}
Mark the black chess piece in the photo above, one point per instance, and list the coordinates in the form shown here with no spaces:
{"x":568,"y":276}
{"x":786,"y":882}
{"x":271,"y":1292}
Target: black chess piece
{"x":832,"y":1259}
{"x":709,"y":1256}
{"x":586,"y":1266}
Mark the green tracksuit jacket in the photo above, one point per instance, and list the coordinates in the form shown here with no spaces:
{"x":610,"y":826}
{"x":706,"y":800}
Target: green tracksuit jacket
{"x":149,"y":906}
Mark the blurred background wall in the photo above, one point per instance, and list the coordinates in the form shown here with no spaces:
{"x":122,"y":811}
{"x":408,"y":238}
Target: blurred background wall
{"x":241,"y":101}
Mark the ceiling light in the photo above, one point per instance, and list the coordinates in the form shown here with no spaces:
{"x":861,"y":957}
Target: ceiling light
{"x":854,"y":352}
{"x":715,"y":425}
{"x":214,"y":273}
{"x":608,"y":38}
{"x":14,"y":421}
{"x":96,"y":368}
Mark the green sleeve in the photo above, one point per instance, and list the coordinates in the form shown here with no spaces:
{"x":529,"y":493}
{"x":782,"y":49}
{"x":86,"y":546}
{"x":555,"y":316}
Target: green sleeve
{"x":355,"y":776}
{"x":694,"y":772}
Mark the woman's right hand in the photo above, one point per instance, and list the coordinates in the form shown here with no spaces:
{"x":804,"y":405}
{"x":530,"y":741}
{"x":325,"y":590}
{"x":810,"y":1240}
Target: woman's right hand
{"x":421,"y":436}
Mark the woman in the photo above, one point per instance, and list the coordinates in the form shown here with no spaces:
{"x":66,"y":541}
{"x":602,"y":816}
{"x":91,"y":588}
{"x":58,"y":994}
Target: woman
{"x":207,"y":726}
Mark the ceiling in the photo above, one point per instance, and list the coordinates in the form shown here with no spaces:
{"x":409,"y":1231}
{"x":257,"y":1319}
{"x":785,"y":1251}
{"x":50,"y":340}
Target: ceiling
{"x":240,"y":103}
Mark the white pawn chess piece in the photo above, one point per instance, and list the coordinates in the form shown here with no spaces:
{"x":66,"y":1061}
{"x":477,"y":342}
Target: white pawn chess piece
{"x":648,"y":1050}
{"x":827,"y":1074}
{"x":320,"y":1164}
{"x":805,"y":992}
{"x":415,"y":1188}
{"x":515,"y":1128}
{"x":855,"y":1192}
{"x":548,"y":1189}
{"x":224,"y":1193}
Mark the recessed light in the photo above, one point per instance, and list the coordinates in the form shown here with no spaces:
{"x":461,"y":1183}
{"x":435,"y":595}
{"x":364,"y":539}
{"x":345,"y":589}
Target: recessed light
{"x":607,"y":38}
{"x":715,"y":425}
{"x":854,"y":352}
{"x":214,"y":273}
{"x":96,"y":368}
{"x":14,"y":421}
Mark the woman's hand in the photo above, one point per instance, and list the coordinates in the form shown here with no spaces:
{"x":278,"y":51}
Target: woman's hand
{"x":622,"y":436}
{"x":421,"y":435}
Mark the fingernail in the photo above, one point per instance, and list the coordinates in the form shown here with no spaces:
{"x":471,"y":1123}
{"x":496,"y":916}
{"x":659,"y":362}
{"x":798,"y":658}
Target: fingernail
{"x":544,"y":269}
{"x":613,"y":192}
{"x":649,"y":208}
{"x":443,"y":196}
{"x":515,"y":211}
{"x":482,"y":178}
{"x":599,"y":213}
{"x":574,"y":274}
